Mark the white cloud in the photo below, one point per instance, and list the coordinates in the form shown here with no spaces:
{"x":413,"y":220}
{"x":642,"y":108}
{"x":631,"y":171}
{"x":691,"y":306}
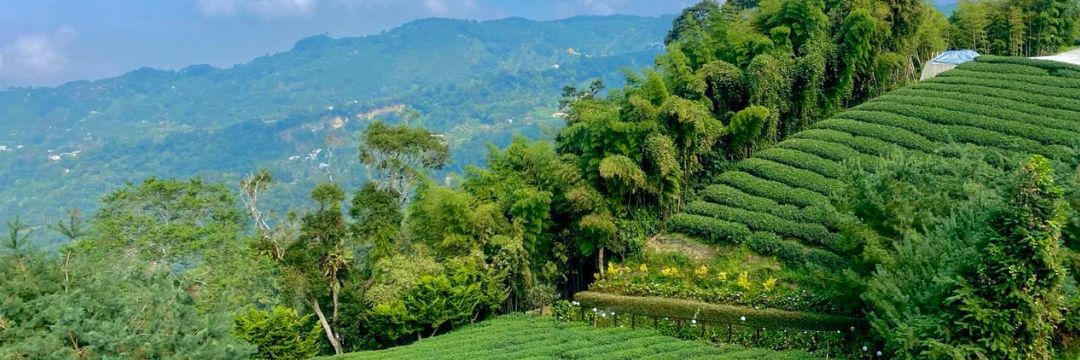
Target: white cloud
{"x":274,"y":9}
{"x":263,"y":8}
{"x":429,"y":7}
{"x":601,"y":7}
{"x":36,"y":55}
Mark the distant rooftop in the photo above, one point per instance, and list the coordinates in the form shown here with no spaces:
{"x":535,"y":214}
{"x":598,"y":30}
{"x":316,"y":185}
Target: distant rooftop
{"x":955,"y":57}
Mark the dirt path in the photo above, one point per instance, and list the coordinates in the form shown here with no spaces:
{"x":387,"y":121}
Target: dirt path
{"x":1071,"y":57}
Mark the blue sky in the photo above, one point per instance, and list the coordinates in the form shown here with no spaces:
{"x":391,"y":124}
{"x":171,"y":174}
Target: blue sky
{"x":48,"y":42}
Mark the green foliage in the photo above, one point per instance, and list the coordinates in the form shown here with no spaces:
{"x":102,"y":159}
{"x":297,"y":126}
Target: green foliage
{"x":714,"y":313}
{"x":399,"y":155}
{"x":168,"y":221}
{"x":1009,"y":302}
{"x":467,"y":78}
{"x":279,"y":333}
{"x":89,"y":307}
{"x":1017,"y":28}
{"x":426,"y":302}
{"x":951,"y":252}
{"x":709,"y":228}
{"x":551,"y":339}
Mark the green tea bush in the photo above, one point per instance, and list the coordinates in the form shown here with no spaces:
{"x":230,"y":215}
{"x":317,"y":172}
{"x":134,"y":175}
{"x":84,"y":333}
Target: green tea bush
{"x":780,"y":192}
{"x":990,"y":111}
{"x":812,"y":233}
{"x":862,"y":148}
{"x":726,"y":195}
{"x":791,"y":176}
{"x":1035,"y":80}
{"x":715,"y":313}
{"x":805,"y":161}
{"x":966,"y":118}
{"x":714,"y":230}
{"x":1066,"y":97}
{"x":886,"y":132}
{"x":990,"y":103}
{"x":829,"y":144}
{"x":791,"y":253}
{"x":1012,"y":60}
{"x":1003,"y":68}
{"x":1052,"y":102}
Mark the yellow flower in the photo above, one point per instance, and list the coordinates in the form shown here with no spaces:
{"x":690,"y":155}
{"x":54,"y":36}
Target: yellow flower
{"x":769,"y":284}
{"x":722,"y":276}
{"x":744,"y":280}
{"x":669,"y":271}
{"x":644,"y":268}
{"x":702,"y":271}
{"x":612,"y":269}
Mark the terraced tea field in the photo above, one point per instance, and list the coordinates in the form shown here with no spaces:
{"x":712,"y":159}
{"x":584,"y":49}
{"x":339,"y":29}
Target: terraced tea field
{"x":775,"y":201}
{"x":523,"y":337}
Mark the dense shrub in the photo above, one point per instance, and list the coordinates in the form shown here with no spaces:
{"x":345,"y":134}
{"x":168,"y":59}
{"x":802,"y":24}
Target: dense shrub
{"x":989,"y":109}
{"x":1051,"y":102}
{"x":812,"y":233}
{"x":988,"y":102}
{"x":961,"y":116}
{"x":805,"y":161}
{"x":709,"y":228}
{"x":791,"y":176}
{"x":715,"y":313}
{"x":723,"y":194}
{"x":780,"y":192}
{"x":891,"y":133}
{"x":1003,"y":68}
{"x":280,"y":333}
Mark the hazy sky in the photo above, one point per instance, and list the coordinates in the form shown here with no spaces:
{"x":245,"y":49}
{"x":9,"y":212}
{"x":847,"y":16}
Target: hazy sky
{"x":48,"y":42}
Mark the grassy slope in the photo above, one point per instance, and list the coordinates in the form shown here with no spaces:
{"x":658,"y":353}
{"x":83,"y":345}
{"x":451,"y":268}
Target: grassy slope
{"x":1012,"y":104}
{"x":521,"y":337}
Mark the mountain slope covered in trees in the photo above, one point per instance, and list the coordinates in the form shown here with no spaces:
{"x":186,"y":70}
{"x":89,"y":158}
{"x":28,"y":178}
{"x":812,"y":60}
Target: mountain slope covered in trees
{"x":475,"y":82}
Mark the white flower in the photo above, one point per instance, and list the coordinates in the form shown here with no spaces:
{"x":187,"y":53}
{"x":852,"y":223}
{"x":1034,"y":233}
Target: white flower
{"x":879,"y":353}
{"x":864,"y":348}
{"x":594,"y":310}
{"x":693,"y":321}
{"x":742,"y":318}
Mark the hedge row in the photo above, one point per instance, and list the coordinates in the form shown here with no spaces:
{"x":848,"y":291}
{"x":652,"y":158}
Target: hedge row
{"x":795,"y":158}
{"x":866,"y":149}
{"x":953,"y":133}
{"x":811,"y":233}
{"x":793,"y":253}
{"x":990,"y":107}
{"x":1013,"y":60}
{"x":1050,"y":102}
{"x":821,"y":147}
{"x":967,"y":118}
{"x":777,"y":191}
{"x":791,"y":176}
{"x":1067,"y":97}
{"x":1062,"y":82}
{"x":1068,"y":73}
{"x":717,"y":314}
{"x":726,"y":195}
{"x":1003,"y":68}
{"x":887,"y":132}
{"x":708,"y":228}
{"x":991,"y":102}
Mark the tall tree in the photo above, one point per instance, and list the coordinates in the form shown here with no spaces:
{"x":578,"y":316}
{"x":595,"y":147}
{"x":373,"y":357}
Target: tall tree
{"x":399,"y":155}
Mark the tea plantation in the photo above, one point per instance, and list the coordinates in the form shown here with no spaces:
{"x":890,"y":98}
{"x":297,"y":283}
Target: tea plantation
{"x":522,"y":337}
{"x":776,"y":202}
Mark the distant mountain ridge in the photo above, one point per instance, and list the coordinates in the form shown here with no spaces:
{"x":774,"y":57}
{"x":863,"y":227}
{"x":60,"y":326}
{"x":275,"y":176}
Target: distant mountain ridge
{"x":477,"y":81}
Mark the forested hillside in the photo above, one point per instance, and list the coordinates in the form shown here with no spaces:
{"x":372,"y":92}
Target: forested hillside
{"x":474,"y":82}
{"x":780,"y":179}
